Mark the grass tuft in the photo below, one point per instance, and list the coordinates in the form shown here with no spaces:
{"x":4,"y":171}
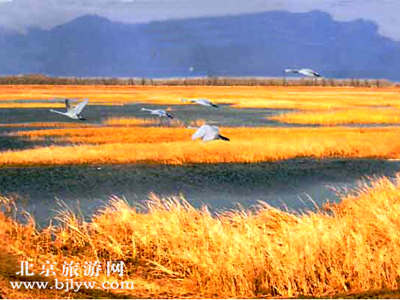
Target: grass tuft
{"x":162,"y":145}
{"x":352,"y":247}
{"x":343,"y":116}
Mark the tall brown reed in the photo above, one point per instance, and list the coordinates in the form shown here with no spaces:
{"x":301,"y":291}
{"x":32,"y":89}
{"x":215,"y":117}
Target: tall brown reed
{"x":354,"y":246}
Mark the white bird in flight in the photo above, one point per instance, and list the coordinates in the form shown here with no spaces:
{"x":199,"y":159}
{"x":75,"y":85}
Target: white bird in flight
{"x":158,"y":112}
{"x":208,"y":133}
{"x":72,"y":112}
{"x":203,"y":102}
{"x":306,"y":72}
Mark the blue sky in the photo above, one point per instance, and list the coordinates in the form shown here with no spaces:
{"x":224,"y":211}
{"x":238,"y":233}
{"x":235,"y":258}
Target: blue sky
{"x":20,"y":14}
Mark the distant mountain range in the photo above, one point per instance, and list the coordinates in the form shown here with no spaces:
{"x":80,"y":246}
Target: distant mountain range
{"x":262,"y":44}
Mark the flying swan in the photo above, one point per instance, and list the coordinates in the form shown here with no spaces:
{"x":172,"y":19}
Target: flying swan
{"x":158,"y":112}
{"x":72,"y":112}
{"x":203,"y":102}
{"x":306,"y":72}
{"x":207,"y":133}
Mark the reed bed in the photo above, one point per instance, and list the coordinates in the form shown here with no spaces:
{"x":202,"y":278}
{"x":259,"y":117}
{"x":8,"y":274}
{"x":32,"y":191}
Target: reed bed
{"x":156,"y":121}
{"x":171,"y":249}
{"x":343,"y":116}
{"x":39,"y":79}
{"x":174,"y":145}
{"x":308,"y":98}
{"x":127,"y":121}
{"x":28,"y":105}
{"x":106,"y":135}
{"x":118,"y":130}
{"x":45,"y":125}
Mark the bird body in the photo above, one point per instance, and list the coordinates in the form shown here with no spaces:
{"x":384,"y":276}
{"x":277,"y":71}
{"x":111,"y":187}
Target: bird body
{"x":306,"y":72}
{"x":208,"y":133}
{"x":158,"y":112}
{"x":203,"y":102}
{"x":72,"y":112}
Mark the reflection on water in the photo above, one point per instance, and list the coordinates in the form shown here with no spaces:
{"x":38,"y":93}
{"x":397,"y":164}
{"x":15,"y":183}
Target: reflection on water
{"x":290,"y":183}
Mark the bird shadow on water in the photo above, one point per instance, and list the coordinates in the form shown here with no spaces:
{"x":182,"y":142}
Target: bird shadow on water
{"x":295,"y":185}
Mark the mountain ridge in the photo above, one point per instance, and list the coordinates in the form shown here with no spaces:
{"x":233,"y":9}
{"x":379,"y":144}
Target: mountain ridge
{"x":260,"y":44}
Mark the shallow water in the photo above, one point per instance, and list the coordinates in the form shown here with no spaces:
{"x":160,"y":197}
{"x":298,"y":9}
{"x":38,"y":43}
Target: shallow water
{"x":289,"y":183}
{"x":283,"y":184}
{"x":225,"y":115}
{"x":96,"y":114}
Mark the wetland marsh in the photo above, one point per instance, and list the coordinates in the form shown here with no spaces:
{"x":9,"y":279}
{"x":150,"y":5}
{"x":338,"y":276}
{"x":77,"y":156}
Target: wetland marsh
{"x":297,"y":190}
{"x":287,"y":176}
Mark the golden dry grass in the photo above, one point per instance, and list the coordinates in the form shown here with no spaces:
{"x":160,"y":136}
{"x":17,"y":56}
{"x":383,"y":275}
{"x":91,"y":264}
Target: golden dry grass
{"x":311,"y":98}
{"x":106,"y":135}
{"x":119,"y":130}
{"x":174,"y":145}
{"x":342,"y":116}
{"x":31,"y":105}
{"x":174,"y":250}
{"x":163,"y":122}
{"x":127,"y":121}
{"x":321,"y":98}
{"x":44,"y":125}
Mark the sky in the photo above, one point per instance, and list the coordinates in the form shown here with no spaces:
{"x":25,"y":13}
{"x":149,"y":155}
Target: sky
{"x":21,"y":14}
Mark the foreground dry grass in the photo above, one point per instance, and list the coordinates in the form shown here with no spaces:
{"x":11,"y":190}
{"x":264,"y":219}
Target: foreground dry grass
{"x":313,"y":98}
{"x":174,"y":250}
{"x":342,"y":116}
{"x":120,"y":145}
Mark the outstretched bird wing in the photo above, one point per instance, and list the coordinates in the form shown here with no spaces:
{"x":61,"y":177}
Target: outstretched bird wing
{"x":211,"y":133}
{"x":202,"y":131}
{"x":309,"y":72}
{"x":205,"y":101}
{"x":78,"y":109}
{"x":209,"y":137}
{"x":291,"y":71}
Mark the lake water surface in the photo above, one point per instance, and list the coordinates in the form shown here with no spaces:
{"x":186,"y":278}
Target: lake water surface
{"x":290,"y":183}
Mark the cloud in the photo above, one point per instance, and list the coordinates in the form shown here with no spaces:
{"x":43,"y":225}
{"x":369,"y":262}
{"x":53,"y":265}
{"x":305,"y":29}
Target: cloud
{"x":48,"y":13}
